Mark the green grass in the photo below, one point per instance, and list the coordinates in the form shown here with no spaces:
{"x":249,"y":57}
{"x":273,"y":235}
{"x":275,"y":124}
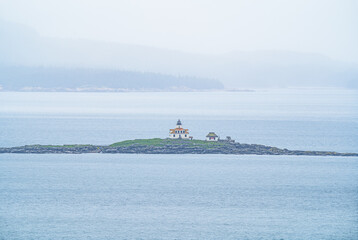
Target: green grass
{"x":66,"y":146}
{"x":146,"y":142}
{"x":149,"y":142}
{"x":163,"y":142}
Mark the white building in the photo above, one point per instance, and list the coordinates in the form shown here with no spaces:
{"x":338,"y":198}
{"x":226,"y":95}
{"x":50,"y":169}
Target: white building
{"x":179,"y":132}
{"x":212,"y":137}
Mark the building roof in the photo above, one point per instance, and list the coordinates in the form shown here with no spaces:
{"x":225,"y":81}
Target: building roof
{"x":211,"y":134}
{"x":178,"y":122}
{"x":179,"y":129}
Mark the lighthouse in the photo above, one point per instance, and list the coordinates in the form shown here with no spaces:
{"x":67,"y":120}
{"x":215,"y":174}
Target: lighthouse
{"x":179,"y":132}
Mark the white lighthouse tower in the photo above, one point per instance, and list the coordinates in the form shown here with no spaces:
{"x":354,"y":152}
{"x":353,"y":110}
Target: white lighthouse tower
{"x":179,"y":132}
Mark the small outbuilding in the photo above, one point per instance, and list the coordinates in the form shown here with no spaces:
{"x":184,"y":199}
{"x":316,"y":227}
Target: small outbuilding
{"x":212,"y":137}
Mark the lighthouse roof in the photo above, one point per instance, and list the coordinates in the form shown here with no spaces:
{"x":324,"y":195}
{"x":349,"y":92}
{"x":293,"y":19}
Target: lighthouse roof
{"x":178,"y":122}
{"x":211,"y":134}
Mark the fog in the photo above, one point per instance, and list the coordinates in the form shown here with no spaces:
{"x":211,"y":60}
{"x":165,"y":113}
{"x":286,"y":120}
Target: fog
{"x":243,"y":44}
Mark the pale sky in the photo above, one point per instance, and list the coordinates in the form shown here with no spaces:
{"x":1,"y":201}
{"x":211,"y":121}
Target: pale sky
{"x":328,"y":27}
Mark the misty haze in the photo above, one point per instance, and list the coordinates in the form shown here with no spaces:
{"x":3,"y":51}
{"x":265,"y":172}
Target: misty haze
{"x":36,"y":58}
{"x":192,"y":119}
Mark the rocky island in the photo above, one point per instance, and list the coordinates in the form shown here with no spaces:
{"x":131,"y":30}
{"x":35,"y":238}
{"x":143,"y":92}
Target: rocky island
{"x":168,"y":146}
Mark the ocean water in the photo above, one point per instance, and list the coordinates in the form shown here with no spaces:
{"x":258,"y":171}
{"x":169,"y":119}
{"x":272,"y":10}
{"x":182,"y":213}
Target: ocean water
{"x":100,"y":196}
{"x":178,"y":197}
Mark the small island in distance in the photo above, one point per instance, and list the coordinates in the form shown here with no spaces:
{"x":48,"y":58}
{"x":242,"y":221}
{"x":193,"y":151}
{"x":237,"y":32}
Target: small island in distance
{"x":179,"y":142}
{"x":168,"y":146}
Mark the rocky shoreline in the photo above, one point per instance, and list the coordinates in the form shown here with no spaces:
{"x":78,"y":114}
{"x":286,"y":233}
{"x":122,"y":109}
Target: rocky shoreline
{"x":166,"y":146}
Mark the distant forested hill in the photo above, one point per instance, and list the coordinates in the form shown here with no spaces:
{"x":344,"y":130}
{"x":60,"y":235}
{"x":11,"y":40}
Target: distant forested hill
{"x":23,"y":46}
{"x":82,"y":79}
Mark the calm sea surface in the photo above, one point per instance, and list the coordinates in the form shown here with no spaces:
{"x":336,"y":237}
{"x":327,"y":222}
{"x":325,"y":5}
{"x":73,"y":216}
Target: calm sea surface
{"x":97,"y":196}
